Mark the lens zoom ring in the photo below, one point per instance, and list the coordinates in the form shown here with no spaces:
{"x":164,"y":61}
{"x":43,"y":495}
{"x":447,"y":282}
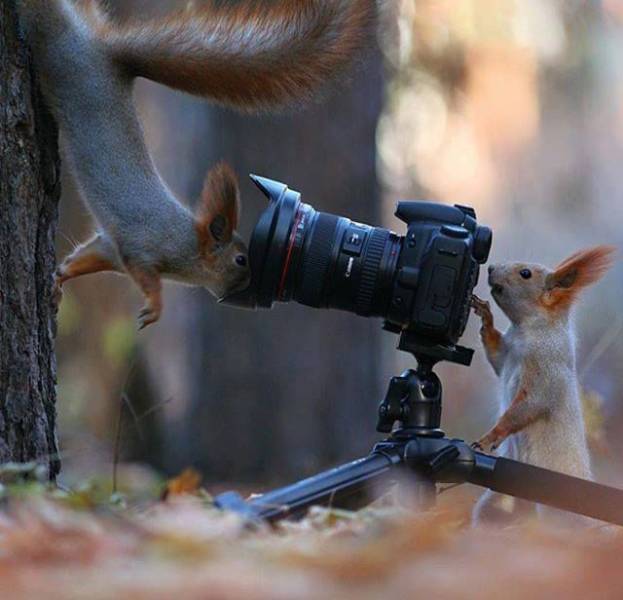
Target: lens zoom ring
{"x":316,"y":261}
{"x":370,"y":271}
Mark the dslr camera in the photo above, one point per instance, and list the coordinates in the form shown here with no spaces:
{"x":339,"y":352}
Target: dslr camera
{"x":420,"y":283}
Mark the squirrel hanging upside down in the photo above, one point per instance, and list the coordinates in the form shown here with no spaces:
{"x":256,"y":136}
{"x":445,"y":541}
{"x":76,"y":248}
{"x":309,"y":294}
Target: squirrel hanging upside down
{"x":540,"y":420}
{"x":253,"y":56}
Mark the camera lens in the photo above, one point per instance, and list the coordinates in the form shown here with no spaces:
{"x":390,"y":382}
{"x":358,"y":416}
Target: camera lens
{"x":319,"y":259}
{"x":420,"y":284}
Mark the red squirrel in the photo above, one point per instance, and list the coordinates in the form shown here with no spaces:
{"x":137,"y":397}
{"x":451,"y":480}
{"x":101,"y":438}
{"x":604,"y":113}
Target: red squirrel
{"x":252,"y":56}
{"x":540,"y":418}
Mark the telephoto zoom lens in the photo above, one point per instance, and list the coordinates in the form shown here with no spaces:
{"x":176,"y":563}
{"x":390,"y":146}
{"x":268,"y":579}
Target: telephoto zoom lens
{"x":318,"y":259}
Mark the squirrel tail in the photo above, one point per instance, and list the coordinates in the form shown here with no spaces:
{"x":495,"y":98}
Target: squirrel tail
{"x":253,"y":55}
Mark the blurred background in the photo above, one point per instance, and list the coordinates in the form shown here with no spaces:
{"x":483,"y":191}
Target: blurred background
{"x":512,"y":106}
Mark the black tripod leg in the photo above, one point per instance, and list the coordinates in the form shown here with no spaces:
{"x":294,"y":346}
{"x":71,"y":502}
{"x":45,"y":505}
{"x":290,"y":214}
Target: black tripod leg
{"x":548,"y":487}
{"x":442,"y":460}
{"x":349,"y":486}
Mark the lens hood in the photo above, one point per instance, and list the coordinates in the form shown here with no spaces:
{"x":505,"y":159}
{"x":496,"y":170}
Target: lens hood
{"x":268,"y":245}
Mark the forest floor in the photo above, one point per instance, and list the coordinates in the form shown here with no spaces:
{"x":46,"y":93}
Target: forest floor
{"x":62,"y":544}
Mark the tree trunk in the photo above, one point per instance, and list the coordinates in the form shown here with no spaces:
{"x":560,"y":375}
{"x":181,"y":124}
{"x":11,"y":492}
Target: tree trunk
{"x":29,"y":194}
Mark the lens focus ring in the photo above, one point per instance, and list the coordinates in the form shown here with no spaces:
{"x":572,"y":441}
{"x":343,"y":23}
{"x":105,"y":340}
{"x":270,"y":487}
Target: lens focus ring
{"x":370,"y":270}
{"x":316,"y":261}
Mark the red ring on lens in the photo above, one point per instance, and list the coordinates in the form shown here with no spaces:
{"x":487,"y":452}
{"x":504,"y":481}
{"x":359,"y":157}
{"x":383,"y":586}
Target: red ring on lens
{"x":288,"y":260}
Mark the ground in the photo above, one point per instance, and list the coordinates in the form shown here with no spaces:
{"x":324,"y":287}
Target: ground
{"x":70,"y":544}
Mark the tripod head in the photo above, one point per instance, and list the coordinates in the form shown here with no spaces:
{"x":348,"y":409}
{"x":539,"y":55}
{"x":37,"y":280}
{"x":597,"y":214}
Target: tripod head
{"x":434,"y":353}
{"x":414,"y":398}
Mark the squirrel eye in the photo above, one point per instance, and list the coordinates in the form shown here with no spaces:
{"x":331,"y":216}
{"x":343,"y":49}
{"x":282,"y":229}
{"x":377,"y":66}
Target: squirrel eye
{"x":241,"y":260}
{"x":526,"y":273}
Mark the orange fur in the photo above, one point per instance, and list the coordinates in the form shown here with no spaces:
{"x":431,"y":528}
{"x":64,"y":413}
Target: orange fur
{"x":491,"y":338}
{"x":252,"y":55}
{"x":507,"y":424}
{"x":148,"y":280}
{"x":571,"y":276}
{"x":83,"y":265}
{"x":220,"y":197}
{"x":515,"y":418}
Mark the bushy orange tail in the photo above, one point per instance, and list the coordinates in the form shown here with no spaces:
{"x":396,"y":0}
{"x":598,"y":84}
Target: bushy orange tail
{"x":254,"y":55}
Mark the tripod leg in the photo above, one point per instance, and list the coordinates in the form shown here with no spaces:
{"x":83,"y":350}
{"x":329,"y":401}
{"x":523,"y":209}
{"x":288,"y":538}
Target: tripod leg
{"x":353,"y":485}
{"x":349,"y":486}
{"x":550,"y":488}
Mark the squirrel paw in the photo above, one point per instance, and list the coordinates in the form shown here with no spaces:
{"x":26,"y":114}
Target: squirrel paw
{"x":57,"y":290}
{"x":147,"y":316}
{"x":481,"y":307}
{"x":487,"y":443}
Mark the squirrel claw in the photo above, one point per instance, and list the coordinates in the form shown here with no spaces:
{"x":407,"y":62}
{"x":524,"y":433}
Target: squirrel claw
{"x":480,"y":306}
{"x":147,"y":316}
{"x":487,"y":443}
{"x":57,"y":290}
{"x":486,"y":448}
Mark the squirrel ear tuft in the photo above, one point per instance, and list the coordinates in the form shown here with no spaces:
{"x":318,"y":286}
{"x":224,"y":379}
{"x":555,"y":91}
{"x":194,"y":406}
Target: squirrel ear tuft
{"x":571,"y":276}
{"x":219,"y":208}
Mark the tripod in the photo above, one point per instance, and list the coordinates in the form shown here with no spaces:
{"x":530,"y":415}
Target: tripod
{"x":418,"y":448}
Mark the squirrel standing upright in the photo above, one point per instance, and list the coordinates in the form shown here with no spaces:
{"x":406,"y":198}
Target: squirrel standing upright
{"x":540,"y":419}
{"x":253,"y":56}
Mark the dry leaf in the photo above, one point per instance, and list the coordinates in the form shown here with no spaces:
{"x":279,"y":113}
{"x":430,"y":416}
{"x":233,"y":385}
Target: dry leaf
{"x":187,"y":482}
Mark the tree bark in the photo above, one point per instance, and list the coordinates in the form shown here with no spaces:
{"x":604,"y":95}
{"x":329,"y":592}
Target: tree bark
{"x":29,"y":194}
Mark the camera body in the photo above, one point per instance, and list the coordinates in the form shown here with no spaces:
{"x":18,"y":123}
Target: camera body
{"x":421,"y":284}
{"x":437,"y":271}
